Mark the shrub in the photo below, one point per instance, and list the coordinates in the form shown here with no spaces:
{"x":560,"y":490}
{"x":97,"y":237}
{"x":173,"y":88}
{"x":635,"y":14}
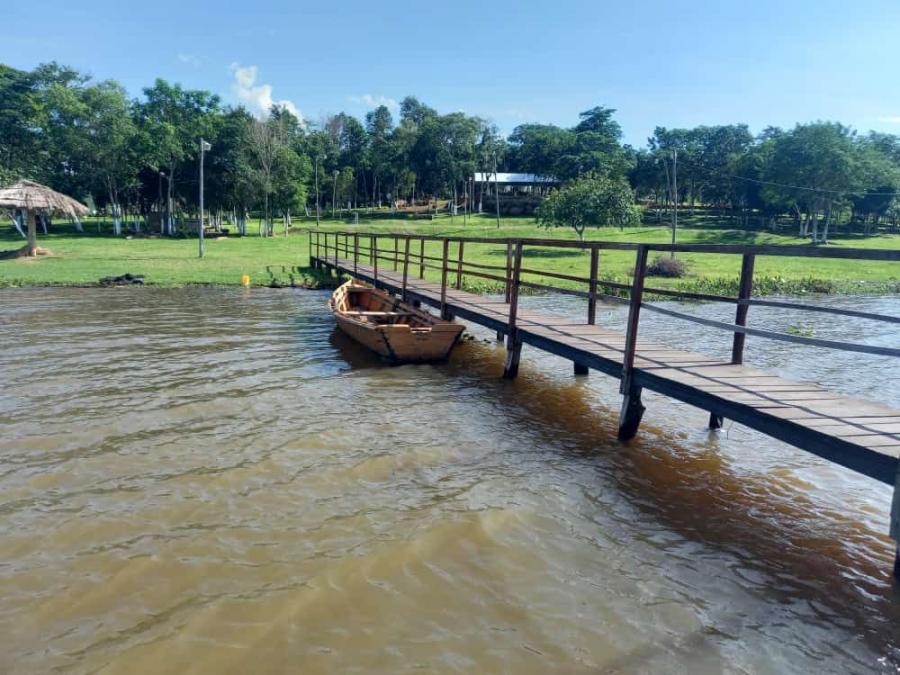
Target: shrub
{"x":664,"y":266}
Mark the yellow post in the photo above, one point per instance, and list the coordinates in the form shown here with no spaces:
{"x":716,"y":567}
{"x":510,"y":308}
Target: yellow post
{"x":245,"y":280}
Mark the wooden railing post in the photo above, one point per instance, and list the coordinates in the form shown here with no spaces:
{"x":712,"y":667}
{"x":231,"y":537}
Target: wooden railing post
{"x":508,"y":270}
{"x":355,"y":252}
{"x":337,"y":247}
{"x":374,"y":254}
{"x":405,"y":265}
{"x":744,"y":292}
{"x":309,"y":247}
{"x":325,"y":257}
{"x":444,"y":313}
{"x":592,"y":288}
{"x":459,"y":267}
{"x":396,"y":243}
{"x":513,"y":343}
{"x":422,"y":258}
{"x":632,"y":408}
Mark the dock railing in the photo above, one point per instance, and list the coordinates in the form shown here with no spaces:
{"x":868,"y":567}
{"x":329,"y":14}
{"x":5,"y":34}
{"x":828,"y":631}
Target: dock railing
{"x":451,"y":268}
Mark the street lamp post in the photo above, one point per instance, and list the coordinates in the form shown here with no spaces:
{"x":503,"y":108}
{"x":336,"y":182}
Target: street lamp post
{"x":204,"y":146}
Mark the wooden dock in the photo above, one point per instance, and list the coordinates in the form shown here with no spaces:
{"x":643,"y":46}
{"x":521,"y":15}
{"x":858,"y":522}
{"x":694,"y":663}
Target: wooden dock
{"x":861,"y":435}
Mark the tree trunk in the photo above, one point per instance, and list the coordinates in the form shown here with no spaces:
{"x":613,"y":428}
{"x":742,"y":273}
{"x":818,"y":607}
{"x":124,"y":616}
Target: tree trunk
{"x":32,"y":233}
{"x":170,"y":217}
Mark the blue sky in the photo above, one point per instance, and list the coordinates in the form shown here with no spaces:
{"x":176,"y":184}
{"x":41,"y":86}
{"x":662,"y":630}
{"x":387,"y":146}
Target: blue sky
{"x":658,"y":63}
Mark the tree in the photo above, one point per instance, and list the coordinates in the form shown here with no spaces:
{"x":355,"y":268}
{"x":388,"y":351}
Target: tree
{"x":173,"y":120}
{"x":814,"y":167}
{"x":537,"y":148}
{"x":19,"y":137}
{"x":593,"y":201}
{"x":379,"y":125}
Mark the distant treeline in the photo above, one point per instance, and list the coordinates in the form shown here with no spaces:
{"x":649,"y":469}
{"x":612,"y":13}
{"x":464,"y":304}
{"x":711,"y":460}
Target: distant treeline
{"x":88,"y":139}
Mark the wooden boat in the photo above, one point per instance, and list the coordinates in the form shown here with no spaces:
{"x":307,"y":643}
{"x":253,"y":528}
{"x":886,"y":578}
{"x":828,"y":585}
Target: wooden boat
{"x":397,"y":331}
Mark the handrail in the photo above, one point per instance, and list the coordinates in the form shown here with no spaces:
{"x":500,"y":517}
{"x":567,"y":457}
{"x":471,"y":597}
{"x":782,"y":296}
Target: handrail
{"x":513,"y":273}
{"x":793,"y":250}
{"x":775,"y":335}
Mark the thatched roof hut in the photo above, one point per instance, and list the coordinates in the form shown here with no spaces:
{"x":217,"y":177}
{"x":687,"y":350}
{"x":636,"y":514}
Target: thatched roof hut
{"x":33,"y":198}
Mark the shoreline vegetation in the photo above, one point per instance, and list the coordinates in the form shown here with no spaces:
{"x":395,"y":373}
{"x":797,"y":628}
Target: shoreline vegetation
{"x":83,"y":259}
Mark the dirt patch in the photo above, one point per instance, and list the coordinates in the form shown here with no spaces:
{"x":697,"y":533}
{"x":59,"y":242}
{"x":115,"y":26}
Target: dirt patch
{"x":24,"y":253}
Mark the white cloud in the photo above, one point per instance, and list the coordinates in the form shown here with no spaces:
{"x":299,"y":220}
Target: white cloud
{"x":375,"y":101}
{"x":890,"y":119}
{"x":190,"y":59}
{"x":257,"y":97}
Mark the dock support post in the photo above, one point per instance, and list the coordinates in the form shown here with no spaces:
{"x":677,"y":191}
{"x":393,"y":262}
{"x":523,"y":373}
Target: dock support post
{"x":500,"y":336}
{"x":422,"y":258}
{"x":632,"y":408}
{"x":513,"y":343}
{"x":579,"y":368}
{"x":373,"y":257}
{"x":509,"y":264}
{"x":445,"y":313}
{"x":513,"y":354}
{"x":405,"y":266}
{"x":745,"y":289}
{"x":895,"y":523}
{"x":631,"y":414}
{"x":592,"y":300}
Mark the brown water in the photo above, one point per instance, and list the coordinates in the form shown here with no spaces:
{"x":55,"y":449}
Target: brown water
{"x":214,"y":481}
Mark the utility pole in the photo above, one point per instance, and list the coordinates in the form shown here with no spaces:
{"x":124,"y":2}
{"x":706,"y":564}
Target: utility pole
{"x":204,"y":146}
{"x":674,"y":198}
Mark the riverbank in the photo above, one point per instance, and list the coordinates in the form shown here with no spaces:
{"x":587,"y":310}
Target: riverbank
{"x":83,"y":259}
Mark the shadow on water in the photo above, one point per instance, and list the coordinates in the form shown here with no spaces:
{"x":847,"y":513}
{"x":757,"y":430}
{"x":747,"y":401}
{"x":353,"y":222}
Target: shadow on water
{"x":835,"y":565}
{"x":356,"y":356}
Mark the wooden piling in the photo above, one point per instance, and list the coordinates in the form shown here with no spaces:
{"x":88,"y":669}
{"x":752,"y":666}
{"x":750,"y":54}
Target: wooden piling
{"x":592,"y":301}
{"x":373,"y":252}
{"x":632,"y":408}
{"x":513,"y":342}
{"x":422,"y":258}
{"x":405,"y":267}
{"x":444,"y":312}
{"x":744,"y":292}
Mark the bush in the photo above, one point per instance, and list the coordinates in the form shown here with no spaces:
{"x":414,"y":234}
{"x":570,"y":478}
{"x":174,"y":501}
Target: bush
{"x":664,"y":266}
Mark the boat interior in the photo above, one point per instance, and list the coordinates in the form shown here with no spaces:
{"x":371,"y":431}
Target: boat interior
{"x":368,"y":306}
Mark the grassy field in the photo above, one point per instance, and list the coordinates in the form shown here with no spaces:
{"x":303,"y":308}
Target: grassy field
{"x":85,"y":258}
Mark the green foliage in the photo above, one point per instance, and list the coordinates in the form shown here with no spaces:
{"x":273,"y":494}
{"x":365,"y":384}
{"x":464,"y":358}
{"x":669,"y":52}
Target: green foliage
{"x":85,"y":138}
{"x":589,"y":202}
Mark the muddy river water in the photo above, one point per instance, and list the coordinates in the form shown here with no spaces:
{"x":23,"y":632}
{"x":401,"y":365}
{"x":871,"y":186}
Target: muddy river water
{"x":215,"y":481}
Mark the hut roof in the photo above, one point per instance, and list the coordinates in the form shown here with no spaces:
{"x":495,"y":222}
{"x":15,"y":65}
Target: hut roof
{"x":33,"y":196}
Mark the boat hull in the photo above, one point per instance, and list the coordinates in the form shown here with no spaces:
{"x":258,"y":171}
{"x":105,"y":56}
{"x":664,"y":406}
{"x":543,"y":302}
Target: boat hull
{"x":396,"y":331}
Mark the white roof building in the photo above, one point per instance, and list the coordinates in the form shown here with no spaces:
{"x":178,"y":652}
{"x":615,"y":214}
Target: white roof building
{"x":515,"y":178}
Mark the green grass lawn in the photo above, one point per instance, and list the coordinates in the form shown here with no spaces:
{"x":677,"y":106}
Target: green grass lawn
{"x":85,"y":258}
